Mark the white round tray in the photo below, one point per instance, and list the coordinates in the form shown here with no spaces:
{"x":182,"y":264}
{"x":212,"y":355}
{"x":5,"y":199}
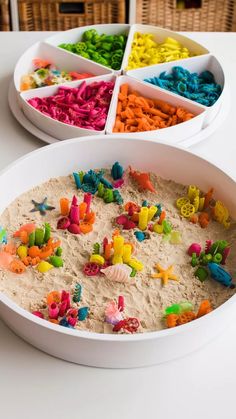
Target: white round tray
{"x":202,"y":135}
{"x":206,"y":119}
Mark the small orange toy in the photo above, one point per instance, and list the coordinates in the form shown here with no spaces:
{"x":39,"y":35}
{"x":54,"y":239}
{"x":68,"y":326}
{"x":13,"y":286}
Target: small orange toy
{"x":85,"y":227}
{"x":204,"y":219}
{"x":53,"y":297}
{"x":17,"y":266}
{"x":143,"y":180}
{"x":29,"y":228}
{"x":205,"y":307}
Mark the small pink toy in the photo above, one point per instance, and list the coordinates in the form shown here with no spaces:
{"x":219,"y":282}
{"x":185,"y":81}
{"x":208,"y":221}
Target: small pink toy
{"x":118,"y":183}
{"x":63,"y":308}
{"x":226,"y":253}
{"x":53,"y":310}
{"x":122,"y":219}
{"x":88,"y":200}
{"x":112,"y":313}
{"x":74,"y":229}
{"x":194,"y":248}
{"x":65,"y":296}
{"x":38,"y":314}
{"x":121,"y":303}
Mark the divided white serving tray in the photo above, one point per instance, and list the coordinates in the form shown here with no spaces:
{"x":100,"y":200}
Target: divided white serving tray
{"x":207,"y":118}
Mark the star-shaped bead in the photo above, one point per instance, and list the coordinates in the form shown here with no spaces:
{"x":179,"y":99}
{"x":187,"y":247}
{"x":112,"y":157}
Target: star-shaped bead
{"x":42,"y":207}
{"x":165,"y":274}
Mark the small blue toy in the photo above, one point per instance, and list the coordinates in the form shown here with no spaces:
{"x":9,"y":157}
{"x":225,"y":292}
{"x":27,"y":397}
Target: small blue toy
{"x":3,"y":236}
{"x":42,"y":207}
{"x":220,"y":275}
{"x":83,"y":313}
{"x":140,"y":236}
{"x":65,"y":323}
{"x":117,"y":171}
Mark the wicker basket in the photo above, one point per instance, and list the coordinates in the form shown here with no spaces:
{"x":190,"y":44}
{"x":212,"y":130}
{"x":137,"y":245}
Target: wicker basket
{"x":55,"y":15}
{"x":4,"y":15}
{"x":212,"y":15}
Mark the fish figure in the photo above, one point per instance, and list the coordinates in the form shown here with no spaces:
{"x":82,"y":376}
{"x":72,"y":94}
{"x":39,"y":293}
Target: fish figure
{"x":143,"y":180}
{"x":220,"y":275}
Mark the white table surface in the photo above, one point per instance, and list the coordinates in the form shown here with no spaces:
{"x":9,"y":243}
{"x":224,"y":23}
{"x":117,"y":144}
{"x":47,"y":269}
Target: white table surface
{"x":35,"y":385}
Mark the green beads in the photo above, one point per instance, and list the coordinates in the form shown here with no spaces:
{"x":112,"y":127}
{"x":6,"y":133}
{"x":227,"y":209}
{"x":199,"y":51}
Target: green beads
{"x":179,"y":308}
{"x":59,"y":251}
{"x":101,"y":190}
{"x":108,"y":196}
{"x":56,"y":261}
{"x":47,"y":232}
{"x":32,"y":239}
{"x":96,"y":249}
{"x":39,"y":236}
{"x":201,"y":273}
{"x":107,"y":50}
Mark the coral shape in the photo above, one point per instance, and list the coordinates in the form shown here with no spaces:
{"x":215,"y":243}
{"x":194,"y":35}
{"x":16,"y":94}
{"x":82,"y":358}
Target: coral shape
{"x":165,"y":274}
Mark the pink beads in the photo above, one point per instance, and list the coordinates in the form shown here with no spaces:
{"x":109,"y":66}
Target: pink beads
{"x":85,"y":106}
{"x":53,"y":310}
{"x":38,"y":314}
{"x":194,"y":248}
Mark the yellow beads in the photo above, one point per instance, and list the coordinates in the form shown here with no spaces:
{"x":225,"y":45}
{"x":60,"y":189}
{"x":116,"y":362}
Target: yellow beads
{"x":158,"y":228}
{"x":187,"y":210}
{"x":145,"y":51}
{"x":221,"y":214}
{"x":97,"y":259}
{"x":22,"y":251}
{"x":134,"y":263}
{"x":182,"y":201}
{"x":44,"y":266}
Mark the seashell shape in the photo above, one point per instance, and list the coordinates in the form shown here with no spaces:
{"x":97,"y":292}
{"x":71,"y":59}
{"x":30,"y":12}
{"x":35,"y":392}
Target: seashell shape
{"x":118,"y":273}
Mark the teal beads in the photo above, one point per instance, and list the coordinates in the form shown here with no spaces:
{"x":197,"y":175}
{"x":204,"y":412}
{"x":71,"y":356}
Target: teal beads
{"x":83,"y":313}
{"x":77,"y":293}
{"x":117,"y":171}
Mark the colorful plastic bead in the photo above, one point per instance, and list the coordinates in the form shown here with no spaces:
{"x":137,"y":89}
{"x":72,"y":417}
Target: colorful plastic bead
{"x":220,"y":275}
{"x":187,"y":210}
{"x":83,"y":313}
{"x":98,"y":259}
{"x":201,"y":273}
{"x":22,"y":251}
{"x":44,"y":266}
{"x":140,"y":236}
{"x":56,"y":261}
{"x":91,"y":269}
{"x":77,"y":293}
{"x":182,"y":201}
{"x":179,"y":308}
{"x":117,"y":171}
{"x":194,"y":248}
{"x":175,"y":237}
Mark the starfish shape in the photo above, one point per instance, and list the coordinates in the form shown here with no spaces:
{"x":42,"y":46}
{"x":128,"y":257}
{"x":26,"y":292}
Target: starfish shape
{"x":165,"y":274}
{"x":42,"y":207}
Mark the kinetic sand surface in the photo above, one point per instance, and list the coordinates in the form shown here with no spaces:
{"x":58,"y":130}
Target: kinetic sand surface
{"x":146,"y":299}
